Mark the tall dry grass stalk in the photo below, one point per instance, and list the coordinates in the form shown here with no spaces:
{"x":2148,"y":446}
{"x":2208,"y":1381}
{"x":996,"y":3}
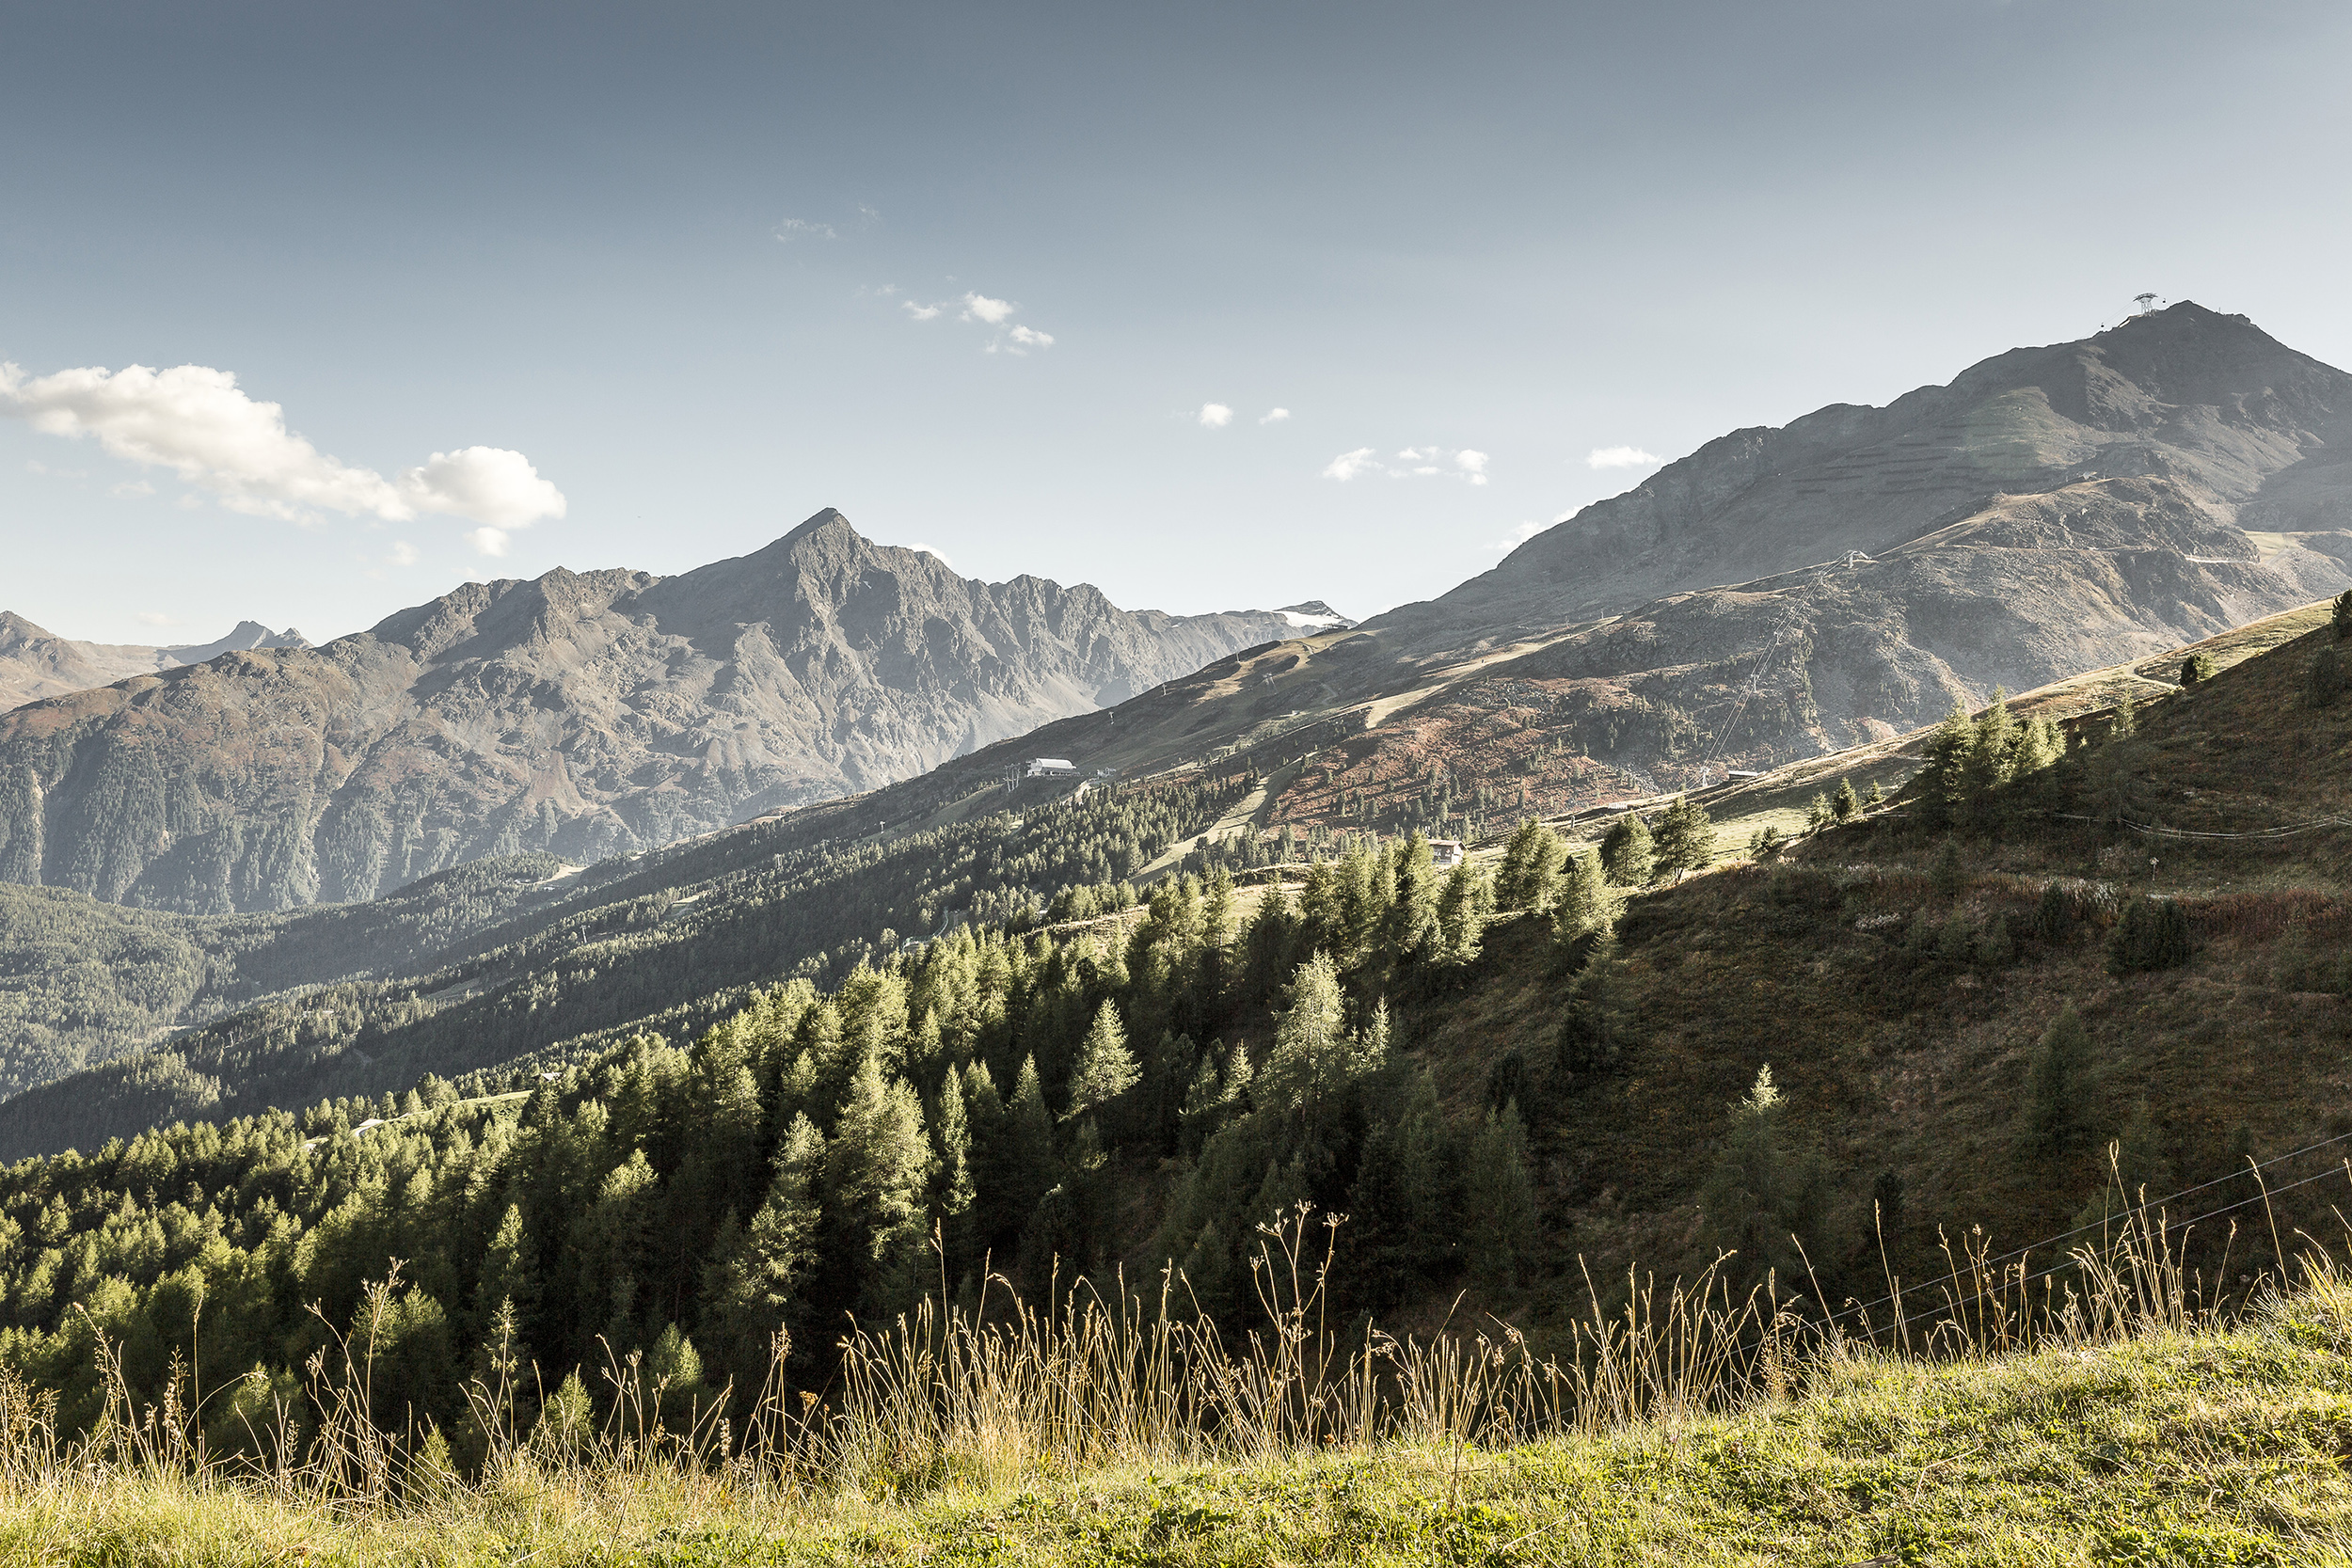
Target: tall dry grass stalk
{"x":1013,"y":1390}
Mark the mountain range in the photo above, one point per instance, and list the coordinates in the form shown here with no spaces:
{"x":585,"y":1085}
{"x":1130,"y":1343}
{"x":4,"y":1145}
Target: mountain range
{"x":583,"y":713}
{"x":1778,"y":595}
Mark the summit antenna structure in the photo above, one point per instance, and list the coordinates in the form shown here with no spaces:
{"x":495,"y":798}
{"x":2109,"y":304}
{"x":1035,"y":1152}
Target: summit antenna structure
{"x":2146,"y":304}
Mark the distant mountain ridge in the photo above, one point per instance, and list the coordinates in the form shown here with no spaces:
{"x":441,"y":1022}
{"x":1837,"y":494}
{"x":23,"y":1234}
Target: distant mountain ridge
{"x":36,"y":662}
{"x":583,"y":713}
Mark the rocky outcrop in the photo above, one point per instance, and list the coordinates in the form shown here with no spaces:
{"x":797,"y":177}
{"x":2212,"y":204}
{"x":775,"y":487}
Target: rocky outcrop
{"x":582,"y":713}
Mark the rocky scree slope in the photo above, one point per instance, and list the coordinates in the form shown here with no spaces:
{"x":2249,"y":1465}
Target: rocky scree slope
{"x":582,"y":714}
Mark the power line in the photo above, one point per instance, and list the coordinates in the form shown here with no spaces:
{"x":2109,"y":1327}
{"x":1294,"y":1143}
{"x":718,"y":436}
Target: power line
{"x":2080,"y":1229}
{"x":2156,"y":832}
{"x":2263,"y":1196}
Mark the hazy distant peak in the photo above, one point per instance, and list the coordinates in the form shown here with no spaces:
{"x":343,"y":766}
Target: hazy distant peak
{"x":247,"y":635}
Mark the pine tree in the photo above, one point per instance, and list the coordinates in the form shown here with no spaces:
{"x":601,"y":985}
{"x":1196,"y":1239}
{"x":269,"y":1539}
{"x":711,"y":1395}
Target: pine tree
{"x":509,"y":1278}
{"x":2054,"y":1123}
{"x":1844,"y":805}
{"x":1584,"y":902}
{"x":2340,"y":620}
{"x":1764,"y":1203}
{"x":1410,"y":927}
{"x":1992,"y":751}
{"x":877,"y":1177}
{"x":1460,"y":922}
{"x":613,"y":1240}
{"x":1499,"y":1201}
{"x":1033,"y":1164}
{"x":1106,"y":1067}
{"x":1398,"y":1205}
{"x":2153,"y":934}
{"x":952,"y":1191}
{"x":2327,"y":679}
{"x":1531,"y":862}
{"x":2196,"y":668}
{"x":671,"y":1378}
{"x":1686,"y":838}
{"x":1947,"y":875}
{"x":1626,"y":853}
{"x":1315,"y":1056}
{"x":1593,"y":1026}
{"x":2125,"y":724}
{"x":753,"y":1284}
{"x":2053,"y":914}
{"x":1942,"y":782}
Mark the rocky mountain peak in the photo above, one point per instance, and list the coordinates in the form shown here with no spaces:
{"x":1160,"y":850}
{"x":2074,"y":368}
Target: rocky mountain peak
{"x":2224,"y":415}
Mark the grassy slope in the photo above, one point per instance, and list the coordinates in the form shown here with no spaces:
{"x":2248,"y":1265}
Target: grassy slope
{"x":2215,"y":1448}
{"x":1901,"y":1061}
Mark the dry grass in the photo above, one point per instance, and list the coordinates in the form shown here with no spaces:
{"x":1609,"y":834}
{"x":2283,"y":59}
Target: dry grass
{"x":1104,"y":1421}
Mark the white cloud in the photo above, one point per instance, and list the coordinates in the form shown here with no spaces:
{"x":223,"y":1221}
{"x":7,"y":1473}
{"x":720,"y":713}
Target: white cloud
{"x":1274,"y":416}
{"x":939,"y":555}
{"x":488,"y":540}
{"x":195,"y":422}
{"x":801,"y":228}
{"x":1216,"y":416}
{"x":1621,"y":457}
{"x":155,"y":618}
{"x":402,"y":554}
{"x":488,"y":484}
{"x":1518,"y":536}
{"x":979,"y":310}
{"x":131,"y":490}
{"x":1468,"y":465}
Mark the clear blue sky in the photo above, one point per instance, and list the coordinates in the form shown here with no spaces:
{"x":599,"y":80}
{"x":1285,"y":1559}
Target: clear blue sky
{"x":674,"y":256}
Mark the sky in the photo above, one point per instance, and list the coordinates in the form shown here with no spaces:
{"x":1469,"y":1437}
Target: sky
{"x":308,"y":313}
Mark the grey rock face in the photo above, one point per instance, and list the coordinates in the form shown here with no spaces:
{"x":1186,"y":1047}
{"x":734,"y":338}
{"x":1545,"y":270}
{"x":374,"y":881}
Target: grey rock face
{"x":584,"y":713}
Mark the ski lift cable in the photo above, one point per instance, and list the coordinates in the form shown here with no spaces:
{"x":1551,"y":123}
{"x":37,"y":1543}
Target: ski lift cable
{"x":1781,"y":628}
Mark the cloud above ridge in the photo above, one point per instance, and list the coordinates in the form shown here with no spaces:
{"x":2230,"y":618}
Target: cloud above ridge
{"x":1622,"y":457}
{"x":197,"y":422}
{"x":1467,"y":464}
